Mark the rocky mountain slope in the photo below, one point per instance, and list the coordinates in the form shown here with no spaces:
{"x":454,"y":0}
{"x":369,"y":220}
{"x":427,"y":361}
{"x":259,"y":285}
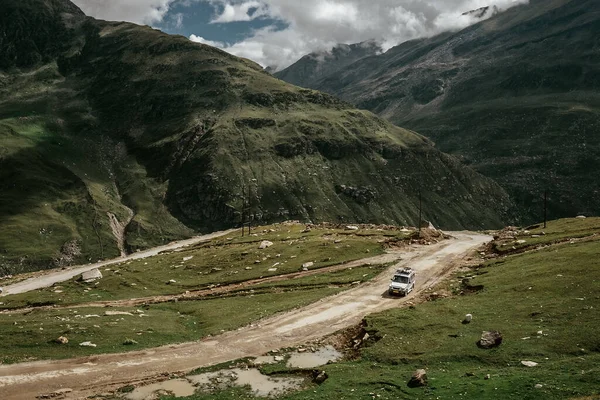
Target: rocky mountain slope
{"x":516,"y":96}
{"x":315,"y":66}
{"x":116,"y":137}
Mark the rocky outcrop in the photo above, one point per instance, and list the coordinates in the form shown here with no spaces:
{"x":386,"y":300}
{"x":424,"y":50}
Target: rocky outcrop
{"x":490,"y":339}
{"x":418,"y":379}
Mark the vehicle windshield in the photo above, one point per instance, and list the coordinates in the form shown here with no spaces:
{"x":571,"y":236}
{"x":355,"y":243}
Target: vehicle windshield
{"x":400,"y":279}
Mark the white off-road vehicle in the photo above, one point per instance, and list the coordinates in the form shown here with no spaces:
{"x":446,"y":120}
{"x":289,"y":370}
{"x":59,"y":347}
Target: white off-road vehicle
{"x":403,"y":282}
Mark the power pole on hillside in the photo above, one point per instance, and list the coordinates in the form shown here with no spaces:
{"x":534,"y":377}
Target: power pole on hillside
{"x":545,"y":207}
{"x":246,"y":211}
{"x":420,"y":211}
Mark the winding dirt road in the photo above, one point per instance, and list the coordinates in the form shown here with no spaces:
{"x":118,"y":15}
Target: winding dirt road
{"x":92,"y":375}
{"x":47,"y":279}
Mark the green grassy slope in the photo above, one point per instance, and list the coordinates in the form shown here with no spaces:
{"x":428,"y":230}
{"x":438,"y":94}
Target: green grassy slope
{"x":516,"y":97}
{"x":124,"y":129}
{"x":209,"y":265}
{"x":543,"y":302}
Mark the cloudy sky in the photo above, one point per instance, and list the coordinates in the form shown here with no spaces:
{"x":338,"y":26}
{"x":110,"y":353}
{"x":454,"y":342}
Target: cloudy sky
{"x":278,"y":32}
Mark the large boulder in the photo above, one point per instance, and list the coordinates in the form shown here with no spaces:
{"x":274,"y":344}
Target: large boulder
{"x":91,"y":275}
{"x":490,"y":339}
{"x":418,"y":379}
{"x":265,"y":244}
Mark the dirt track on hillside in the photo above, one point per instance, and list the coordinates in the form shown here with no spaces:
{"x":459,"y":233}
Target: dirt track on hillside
{"x":49,"y":278}
{"x":97,"y":374}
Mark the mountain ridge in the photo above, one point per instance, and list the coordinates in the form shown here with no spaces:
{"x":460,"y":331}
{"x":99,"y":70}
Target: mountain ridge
{"x":128,"y":138}
{"x":515,"y":96}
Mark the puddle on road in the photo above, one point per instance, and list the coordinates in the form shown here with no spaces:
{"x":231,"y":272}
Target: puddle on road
{"x":177,"y":387}
{"x":260,"y":385}
{"x":313,"y":360}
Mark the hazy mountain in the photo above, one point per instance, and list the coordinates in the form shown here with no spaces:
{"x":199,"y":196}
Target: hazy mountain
{"x":314,"y":66}
{"x":116,"y":137}
{"x":517,"y":96}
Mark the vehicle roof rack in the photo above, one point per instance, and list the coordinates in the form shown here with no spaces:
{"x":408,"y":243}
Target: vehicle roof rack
{"x":405,"y":270}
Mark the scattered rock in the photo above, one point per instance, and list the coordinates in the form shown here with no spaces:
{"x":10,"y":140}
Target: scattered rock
{"x":248,"y":268}
{"x":278,"y":358}
{"x":62,"y":340}
{"x":351,"y":228}
{"x":58,"y":393}
{"x":87,"y":344}
{"x":487,"y":377}
{"x":187,"y":258}
{"x":539,"y":386}
{"x":307,"y":265}
{"x":581,"y":217}
{"x":418,"y":379}
{"x":529,"y":363}
{"x":521,"y":241}
{"x":272,"y":269}
{"x":171,"y":281}
{"x":91,"y":275}
{"x":264,"y":244}
{"x":490,"y":339}
{"x":468,"y":319}
{"x":113,"y":313}
{"x":319,"y":376}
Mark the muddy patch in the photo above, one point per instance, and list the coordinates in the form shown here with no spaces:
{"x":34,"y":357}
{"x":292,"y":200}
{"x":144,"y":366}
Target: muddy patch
{"x":313,"y":359}
{"x":175,"y":387}
{"x":260,"y":385}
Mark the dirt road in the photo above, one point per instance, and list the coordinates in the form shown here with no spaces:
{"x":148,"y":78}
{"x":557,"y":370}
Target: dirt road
{"x":92,"y":375}
{"x":47,"y":279}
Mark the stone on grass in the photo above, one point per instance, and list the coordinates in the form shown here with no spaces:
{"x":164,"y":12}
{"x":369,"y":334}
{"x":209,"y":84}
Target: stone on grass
{"x":113,"y":313}
{"x":351,"y":228}
{"x":319,"y":376}
{"x":490,"y":339}
{"x":529,"y":363}
{"x":264,"y":244}
{"x":468,"y":319}
{"x":91,"y":275}
{"x":87,"y":344}
{"x":62,"y":340}
{"x":307,"y":265}
{"x":418,"y":379}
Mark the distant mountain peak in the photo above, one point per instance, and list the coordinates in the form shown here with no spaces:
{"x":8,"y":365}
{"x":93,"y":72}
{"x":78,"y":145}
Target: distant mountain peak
{"x":483,"y":12}
{"x":318,"y":64}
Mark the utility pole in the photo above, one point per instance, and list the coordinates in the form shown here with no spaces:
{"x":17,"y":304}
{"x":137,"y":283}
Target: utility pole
{"x":249,"y":221}
{"x":420,"y":211}
{"x":545,"y":207}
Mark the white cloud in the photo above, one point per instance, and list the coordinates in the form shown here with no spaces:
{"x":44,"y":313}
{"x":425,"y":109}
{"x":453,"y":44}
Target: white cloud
{"x":200,"y":39}
{"x":240,"y":12}
{"x":178,"y":20}
{"x":138,"y":11}
{"x":314,"y":25}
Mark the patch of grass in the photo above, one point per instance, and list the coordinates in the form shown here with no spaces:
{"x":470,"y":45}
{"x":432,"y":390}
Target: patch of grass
{"x":555,"y":231}
{"x":31,"y":335}
{"x":544,"y":303}
{"x":553,"y":291}
{"x":217,"y":262}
